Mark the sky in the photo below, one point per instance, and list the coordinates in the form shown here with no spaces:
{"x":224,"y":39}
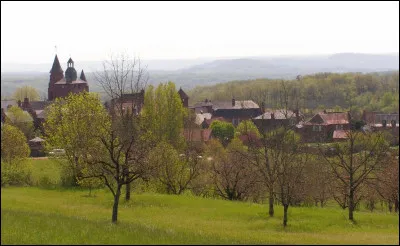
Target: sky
{"x":91,"y":31}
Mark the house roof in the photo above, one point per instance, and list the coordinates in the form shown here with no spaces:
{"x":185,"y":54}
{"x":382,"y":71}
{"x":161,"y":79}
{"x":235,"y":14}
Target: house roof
{"x":200,"y":118}
{"x":245,"y":104}
{"x":41,"y":114}
{"x":279,"y":114}
{"x":37,"y":139}
{"x":378,"y":117}
{"x":56,"y":66}
{"x":8,"y":103}
{"x":39,"y":105}
{"x":340,"y":134}
{"x":183,"y":94}
{"x":83,"y":77}
{"x":63,"y":81}
{"x":334,"y":118}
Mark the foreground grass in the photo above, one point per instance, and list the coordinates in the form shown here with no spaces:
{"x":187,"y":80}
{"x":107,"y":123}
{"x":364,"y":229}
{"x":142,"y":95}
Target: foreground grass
{"x":32,"y":215}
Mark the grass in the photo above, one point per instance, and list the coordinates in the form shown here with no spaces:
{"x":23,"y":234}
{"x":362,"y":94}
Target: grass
{"x":31,"y":215}
{"x":37,"y":216}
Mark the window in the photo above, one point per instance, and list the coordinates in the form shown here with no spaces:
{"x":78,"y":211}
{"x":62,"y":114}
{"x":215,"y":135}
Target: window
{"x":317,"y":128}
{"x":339,"y":127}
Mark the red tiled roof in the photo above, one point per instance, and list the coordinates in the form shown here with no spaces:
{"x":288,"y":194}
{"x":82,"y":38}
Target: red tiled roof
{"x":340,"y":134}
{"x":329,"y":119}
{"x":63,"y":81}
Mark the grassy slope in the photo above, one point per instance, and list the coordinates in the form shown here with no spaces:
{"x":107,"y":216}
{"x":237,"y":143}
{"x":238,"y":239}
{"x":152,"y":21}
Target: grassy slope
{"x":38,"y":216}
{"x":33,"y":215}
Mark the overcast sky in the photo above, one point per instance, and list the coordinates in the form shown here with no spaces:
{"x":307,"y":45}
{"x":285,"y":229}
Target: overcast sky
{"x":89,"y":31}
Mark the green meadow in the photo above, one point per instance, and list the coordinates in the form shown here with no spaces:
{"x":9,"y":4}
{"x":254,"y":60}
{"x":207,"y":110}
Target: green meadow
{"x":34,"y":215}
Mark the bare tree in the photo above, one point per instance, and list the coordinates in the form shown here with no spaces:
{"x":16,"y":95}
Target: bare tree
{"x":261,"y":152}
{"x":123,"y":80}
{"x":290,"y":162}
{"x":356,"y":161}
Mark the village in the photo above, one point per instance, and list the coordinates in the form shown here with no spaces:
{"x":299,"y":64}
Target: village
{"x":321,"y":127}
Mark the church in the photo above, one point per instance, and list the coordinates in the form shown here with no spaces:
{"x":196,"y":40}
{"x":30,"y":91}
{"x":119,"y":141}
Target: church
{"x":60,"y":85}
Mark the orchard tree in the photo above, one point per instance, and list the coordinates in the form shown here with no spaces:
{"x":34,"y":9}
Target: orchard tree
{"x":121,"y":77}
{"x":357,"y":161}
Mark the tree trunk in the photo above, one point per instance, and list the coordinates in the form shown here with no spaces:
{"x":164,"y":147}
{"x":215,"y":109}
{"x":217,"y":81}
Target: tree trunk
{"x":285,"y":209}
{"x":271,"y":202}
{"x":396,"y":206}
{"x":128,"y":192}
{"x":390,"y":206}
{"x":351,"y":205}
{"x":115,"y":206}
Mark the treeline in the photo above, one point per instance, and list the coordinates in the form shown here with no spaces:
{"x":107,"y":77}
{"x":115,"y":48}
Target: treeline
{"x":372,"y":92}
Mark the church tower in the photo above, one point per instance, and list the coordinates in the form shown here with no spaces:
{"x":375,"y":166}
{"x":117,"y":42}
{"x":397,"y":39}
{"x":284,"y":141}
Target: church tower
{"x":70,"y":73}
{"x":56,"y":74}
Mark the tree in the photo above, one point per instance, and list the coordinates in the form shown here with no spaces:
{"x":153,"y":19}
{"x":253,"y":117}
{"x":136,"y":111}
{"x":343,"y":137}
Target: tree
{"x":164,"y":114}
{"x":356,"y":161}
{"x":234,"y":179}
{"x":122,"y":76}
{"x":26,"y":92}
{"x":224,"y":131}
{"x":22,"y":120}
{"x":74,"y":124}
{"x":290,"y":163}
{"x":247,"y":127}
{"x":14,"y":147}
{"x":387,"y":184}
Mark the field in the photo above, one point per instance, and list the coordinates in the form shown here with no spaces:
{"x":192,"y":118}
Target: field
{"x":33,"y":215}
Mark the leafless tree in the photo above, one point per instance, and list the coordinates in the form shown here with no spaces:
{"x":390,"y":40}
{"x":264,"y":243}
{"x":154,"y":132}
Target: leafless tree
{"x":123,"y":80}
{"x":356,"y":161}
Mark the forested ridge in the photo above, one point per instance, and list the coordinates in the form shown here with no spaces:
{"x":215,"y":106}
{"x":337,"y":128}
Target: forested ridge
{"x":371,"y":92}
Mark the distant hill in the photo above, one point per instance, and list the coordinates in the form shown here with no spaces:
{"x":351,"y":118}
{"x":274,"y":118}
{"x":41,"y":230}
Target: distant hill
{"x":189,"y":73}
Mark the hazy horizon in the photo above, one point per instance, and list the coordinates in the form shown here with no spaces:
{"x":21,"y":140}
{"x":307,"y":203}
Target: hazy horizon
{"x":90,"y":31}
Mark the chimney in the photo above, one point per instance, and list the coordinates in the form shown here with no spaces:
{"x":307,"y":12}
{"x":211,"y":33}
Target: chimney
{"x":19,"y":103}
{"x":206,"y":101}
{"x":324,"y":111}
{"x":272,"y":116}
{"x":233,"y":102}
{"x":296,"y":112}
{"x":25,"y":104}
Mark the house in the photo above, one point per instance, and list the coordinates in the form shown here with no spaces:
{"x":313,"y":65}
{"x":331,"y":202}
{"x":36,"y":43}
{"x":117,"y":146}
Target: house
{"x":197,"y":135}
{"x":36,"y":109}
{"x":232,"y":111}
{"x":377,"y":121}
{"x":272,"y":119}
{"x":321,"y":126}
{"x":37,"y":147}
{"x":132,"y":102}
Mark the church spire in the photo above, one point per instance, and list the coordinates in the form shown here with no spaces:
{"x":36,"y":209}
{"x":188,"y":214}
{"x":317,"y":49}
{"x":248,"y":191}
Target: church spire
{"x":56,"y":68}
{"x":82,"y":77}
